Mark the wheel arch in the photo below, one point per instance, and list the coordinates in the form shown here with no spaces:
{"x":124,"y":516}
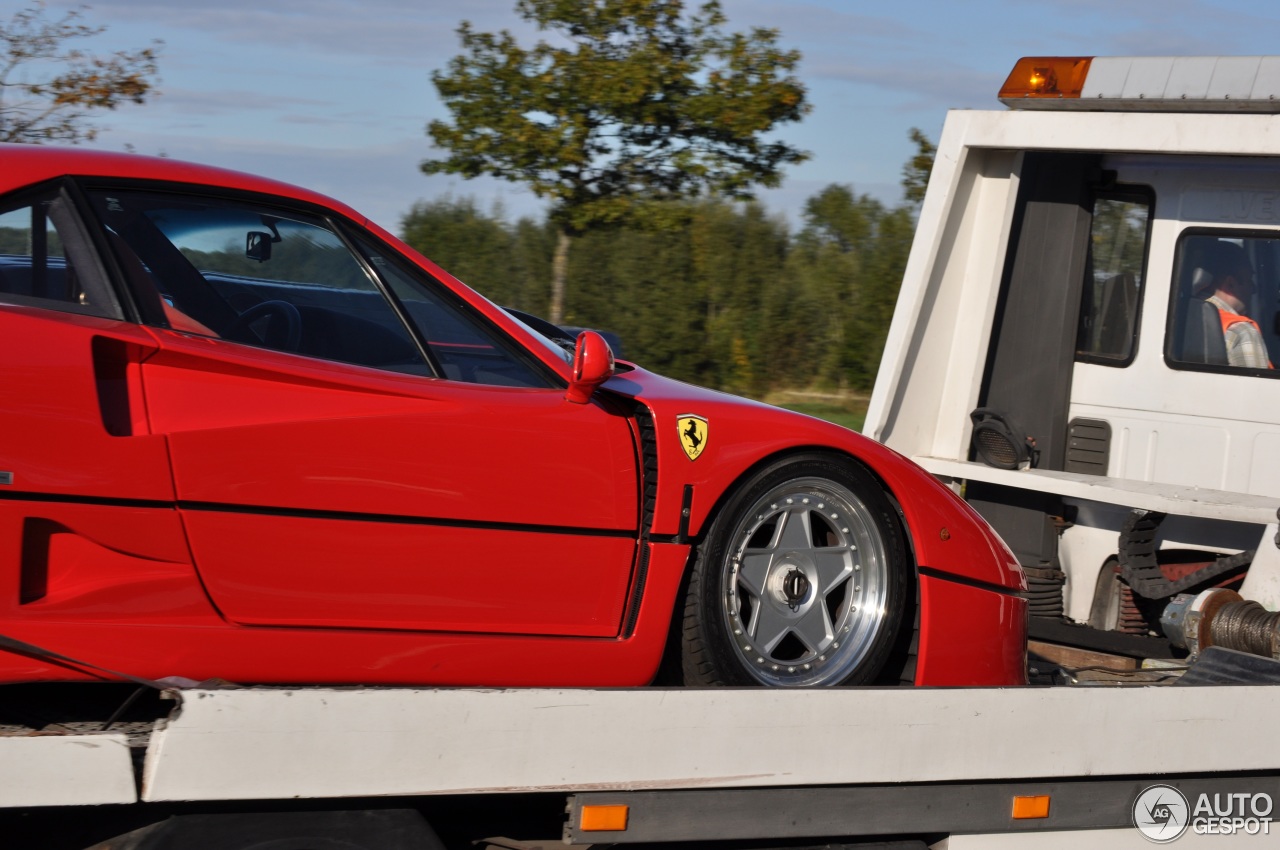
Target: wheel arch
{"x":901,"y":666}
{"x":789,"y":454}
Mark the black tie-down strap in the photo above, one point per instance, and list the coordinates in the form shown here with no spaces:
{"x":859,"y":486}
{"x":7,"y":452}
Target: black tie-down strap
{"x":30,"y":650}
{"x":40,"y":653}
{"x":1141,"y":569}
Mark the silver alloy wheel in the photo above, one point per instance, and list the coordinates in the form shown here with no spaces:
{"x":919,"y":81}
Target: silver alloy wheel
{"x":806,"y":584}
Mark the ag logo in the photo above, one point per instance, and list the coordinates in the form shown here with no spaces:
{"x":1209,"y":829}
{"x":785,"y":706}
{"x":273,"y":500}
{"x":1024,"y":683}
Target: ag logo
{"x":693,"y":434}
{"x":1161,"y":814}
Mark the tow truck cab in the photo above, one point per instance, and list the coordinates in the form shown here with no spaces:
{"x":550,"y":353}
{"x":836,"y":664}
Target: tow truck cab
{"x":1058,"y":353}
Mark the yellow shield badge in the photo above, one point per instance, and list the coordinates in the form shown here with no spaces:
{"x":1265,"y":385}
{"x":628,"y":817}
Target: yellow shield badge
{"x":693,"y":434}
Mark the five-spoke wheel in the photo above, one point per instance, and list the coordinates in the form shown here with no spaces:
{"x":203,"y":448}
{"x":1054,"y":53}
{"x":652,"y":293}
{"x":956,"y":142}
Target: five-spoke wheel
{"x":801,"y":581}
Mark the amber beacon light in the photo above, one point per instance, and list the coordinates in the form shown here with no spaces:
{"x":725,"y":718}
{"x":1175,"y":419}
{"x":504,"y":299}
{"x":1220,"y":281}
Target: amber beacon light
{"x":1046,"y":77}
{"x":1145,"y":83}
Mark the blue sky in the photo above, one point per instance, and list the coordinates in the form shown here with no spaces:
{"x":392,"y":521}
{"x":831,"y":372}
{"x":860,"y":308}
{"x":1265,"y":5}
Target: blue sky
{"x":335,"y":94}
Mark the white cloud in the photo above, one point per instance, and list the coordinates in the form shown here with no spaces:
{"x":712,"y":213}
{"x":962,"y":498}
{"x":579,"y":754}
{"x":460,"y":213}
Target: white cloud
{"x":398,"y":32}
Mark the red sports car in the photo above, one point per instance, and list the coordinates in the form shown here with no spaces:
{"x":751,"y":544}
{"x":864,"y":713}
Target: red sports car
{"x":250,"y":435}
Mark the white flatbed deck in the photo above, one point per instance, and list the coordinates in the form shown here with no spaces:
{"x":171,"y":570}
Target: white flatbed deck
{"x":270,"y":743}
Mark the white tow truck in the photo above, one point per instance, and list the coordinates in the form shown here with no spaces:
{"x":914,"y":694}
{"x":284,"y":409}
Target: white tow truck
{"x":1060,"y":348}
{"x":1050,"y":357}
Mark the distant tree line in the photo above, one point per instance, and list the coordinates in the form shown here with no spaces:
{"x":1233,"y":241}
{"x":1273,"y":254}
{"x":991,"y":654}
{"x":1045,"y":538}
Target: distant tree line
{"x":731,"y":299}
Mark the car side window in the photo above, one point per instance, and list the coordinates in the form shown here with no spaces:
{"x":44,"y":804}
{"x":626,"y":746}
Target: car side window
{"x":1108,"y":328}
{"x":46,"y":262}
{"x":461,"y":344}
{"x":1225,"y":309}
{"x":256,"y":275}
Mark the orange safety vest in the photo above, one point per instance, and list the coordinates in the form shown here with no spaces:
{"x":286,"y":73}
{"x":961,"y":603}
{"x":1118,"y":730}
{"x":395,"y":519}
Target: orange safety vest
{"x":1229,"y":319}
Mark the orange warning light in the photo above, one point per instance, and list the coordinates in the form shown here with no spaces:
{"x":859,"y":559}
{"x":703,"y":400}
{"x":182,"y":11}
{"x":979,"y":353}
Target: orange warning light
{"x":1027,"y":808}
{"x":603,"y":818}
{"x":1046,"y":76}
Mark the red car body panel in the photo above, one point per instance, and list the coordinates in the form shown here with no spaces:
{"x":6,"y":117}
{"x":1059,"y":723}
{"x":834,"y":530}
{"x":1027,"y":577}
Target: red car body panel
{"x":268,"y":570}
{"x":273,"y":430}
{"x":28,"y":165}
{"x":97,"y":564}
{"x":154,"y":647}
{"x":184,"y":505}
{"x":958,"y":643}
{"x":738,"y":440}
{"x":61,"y":374}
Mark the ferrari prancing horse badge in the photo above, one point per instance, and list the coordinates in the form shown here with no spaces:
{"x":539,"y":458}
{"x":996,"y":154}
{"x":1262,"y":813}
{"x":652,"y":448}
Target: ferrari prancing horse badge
{"x":693,"y":434}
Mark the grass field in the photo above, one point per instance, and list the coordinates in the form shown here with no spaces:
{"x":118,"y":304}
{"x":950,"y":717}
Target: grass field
{"x":847,"y":410}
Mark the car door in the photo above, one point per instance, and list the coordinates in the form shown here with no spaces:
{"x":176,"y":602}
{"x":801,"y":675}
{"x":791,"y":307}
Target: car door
{"x":335,"y":466}
{"x":86,"y":495}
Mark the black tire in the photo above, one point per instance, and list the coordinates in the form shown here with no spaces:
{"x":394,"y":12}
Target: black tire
{"x":802,"y":580}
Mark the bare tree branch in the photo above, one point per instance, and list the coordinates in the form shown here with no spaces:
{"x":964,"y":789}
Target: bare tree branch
{"x":48,"y":88}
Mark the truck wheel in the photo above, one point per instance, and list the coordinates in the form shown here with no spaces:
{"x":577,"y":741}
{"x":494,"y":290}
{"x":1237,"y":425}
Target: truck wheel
{"x":801,"y":580}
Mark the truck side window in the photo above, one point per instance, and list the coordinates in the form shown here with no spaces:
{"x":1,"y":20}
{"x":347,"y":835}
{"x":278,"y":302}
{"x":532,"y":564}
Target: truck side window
{"x":1226,"y":304}
{"x":1110,"y":302}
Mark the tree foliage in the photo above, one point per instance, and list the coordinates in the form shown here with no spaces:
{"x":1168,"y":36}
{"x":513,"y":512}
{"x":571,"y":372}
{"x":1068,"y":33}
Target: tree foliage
{"x":48,"y":87}
{"x":508,"y":263}
{"x":915,"y":174}
{"x":733,"y":300}
{"x":632,"y":104}
{"x":850,"y":256}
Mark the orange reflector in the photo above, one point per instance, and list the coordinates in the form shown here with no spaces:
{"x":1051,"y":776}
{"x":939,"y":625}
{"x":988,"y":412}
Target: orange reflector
{"x":1046,"y":76}
{"x":1026,"y":808}
{"x":603,"y":818}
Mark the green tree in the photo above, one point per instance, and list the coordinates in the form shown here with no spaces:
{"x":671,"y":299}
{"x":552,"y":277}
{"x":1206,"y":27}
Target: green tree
{"x":848,"y":262}
{"x":48,"y":87}
{"x":882,"y":270}
{"x":534,"y":246}
{"x":633,"y":104}
{"x":915,"y":174}
{"x":471,"y":246}
{"x":739,"y":253}
{"x":687,"y":303}
{"x":640,"y":284}
{"x":506,"y":263}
